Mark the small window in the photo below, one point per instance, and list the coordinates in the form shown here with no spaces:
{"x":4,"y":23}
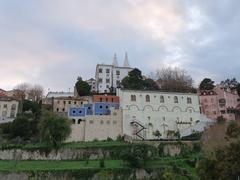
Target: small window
{"x":75,"y":102}
{"x":100,"y":80}
{"x":161,"y":99}
{"x":133,"y":97}
{"x":189,"y":100}
{"x":175,"y":99}
{"x":112,"y":99}
{"x":69,"y":102}
{"x":80,"y":112}
{"x":191,"y":119}
{"x":100,"y":107}
{"x":147,"y":98}
{"x":81,"y":102}
{"x":79,"y":121}
{"x":91,"y":122}
{"x":114,"y":122}
{"x":73,"y":121}
{"x":106,"y":107}
{"x":57,"y":109}
{"x":107,"y":70}
{"x":107,"y":80}
{"x":73,"y":111}
{"x":100,"y":70}
{"x":114,"y":113}
{"x":106,"y":99}
{"x":108,"y":122}
{"x":89,"y":108}
{"x":100,"y":99}
{"x":64,"y":102}
{"x":101,"y":122}
{"x":118,"y":72}
{"x":58,"y":102}
{"x":63,"y":109}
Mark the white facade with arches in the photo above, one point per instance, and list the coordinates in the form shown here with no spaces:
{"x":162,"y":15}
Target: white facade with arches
{"x":145,"y":112}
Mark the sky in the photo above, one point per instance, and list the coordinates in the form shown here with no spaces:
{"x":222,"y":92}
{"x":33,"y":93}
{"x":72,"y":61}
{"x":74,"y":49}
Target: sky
{"x":52,"y":42}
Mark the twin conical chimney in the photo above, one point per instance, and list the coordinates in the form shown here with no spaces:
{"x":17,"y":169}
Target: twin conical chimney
{"x":125,"y":64}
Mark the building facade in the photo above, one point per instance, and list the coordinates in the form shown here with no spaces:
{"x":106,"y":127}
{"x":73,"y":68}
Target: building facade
{"x":8,"y":109}
{"x":146,"y":112}
{"x":92,"y":82}
{"x":61,"y":105}
{"x":219,"y":102}
{"x":100,"y":127}
{"x":109,"y":77}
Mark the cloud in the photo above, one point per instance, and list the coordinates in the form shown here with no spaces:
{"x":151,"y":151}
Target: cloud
{"x":53,"y":42}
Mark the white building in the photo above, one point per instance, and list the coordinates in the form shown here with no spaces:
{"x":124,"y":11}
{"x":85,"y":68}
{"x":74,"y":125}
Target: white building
{"x":145,"y":112}
{"x":8,"y":109}
{"x":110,"y":76}
{"x":92,"y":83}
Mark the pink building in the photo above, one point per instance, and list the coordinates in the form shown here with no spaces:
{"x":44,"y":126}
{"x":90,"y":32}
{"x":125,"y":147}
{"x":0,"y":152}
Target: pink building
{"x":219,"y":102}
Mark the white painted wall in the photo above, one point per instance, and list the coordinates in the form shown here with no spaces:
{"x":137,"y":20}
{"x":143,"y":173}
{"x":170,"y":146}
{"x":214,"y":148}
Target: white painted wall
{"x":6,"y":109}
{"x":155,"y":115}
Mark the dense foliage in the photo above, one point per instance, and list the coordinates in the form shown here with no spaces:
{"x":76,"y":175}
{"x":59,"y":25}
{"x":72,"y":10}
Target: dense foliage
{"x":82,"y":87}
{"x":206,"y":84}
{"x":135,"y":81}
{"x":54,"y":129}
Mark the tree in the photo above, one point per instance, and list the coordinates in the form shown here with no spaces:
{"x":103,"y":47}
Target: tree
{"x":229,"y":83}
{"x":174,"y":80}
{"x":135,"y":81}
{"x":82,"y":87}
{"x":150,"y":84}
{"x":54,"y":129}
{"x":206,"y":84}
{"x":21,"y":127}
{"x":35,"y":92}
{"x":157,"y":134}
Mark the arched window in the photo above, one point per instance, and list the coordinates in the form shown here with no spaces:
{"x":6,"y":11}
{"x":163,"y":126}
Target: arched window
{"x":175,"y":99}
{"x":147,"y":98}
{"x":79,"y":121}
{"x":161,"y":99}
{"x":133,"y":97}
{"x":73,"y":121}
{"x":189,"y":100}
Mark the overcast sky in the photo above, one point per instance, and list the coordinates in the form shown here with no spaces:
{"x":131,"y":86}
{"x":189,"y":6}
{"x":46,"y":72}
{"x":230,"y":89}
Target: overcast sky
{"x":52,"y":42}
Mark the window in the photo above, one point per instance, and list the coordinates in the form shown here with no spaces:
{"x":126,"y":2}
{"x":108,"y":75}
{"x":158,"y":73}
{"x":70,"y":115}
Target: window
{"x":73,"y":111}
{"x":58,"y":102}
{"x":147,"y":98}
{"x":80,"y":112}
{"x":118,"y":83}
{"x":114,"y":122}
{"x":79,"y":121}
{"x":101,"y":122}
{"x":81,"y":102}
{"x":189,"y":100}
{"x":112,"y":99}
{"x":64,"y":102}
{"x":118,"y":72}
{"x":191,"y":119}
{"x":5,"y":106}
{"x":100,"y":107}
{"x":107,"y":70}
{"x":108,"y":122}
{"x":133,"y":97}
{"x":57,"y":109}
{"x":69,"y":102}
{"x":73,"y":121}
{"x":63,"y":109}
{"x":75,"y":102}
{"x":107,"y":80}
{"x":106,"y":99}
{"x":106,"y":107}
{"x":13,"y":108}
{"x":100,"y":80}
{"x":100,"y":99}
{"x":205,"y":100}
{"x":161,"y":99}
{"x":114,"y":113}
{"x":100,"y":70}
{"x":107,"y":86}
{"x":175,"y":99}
